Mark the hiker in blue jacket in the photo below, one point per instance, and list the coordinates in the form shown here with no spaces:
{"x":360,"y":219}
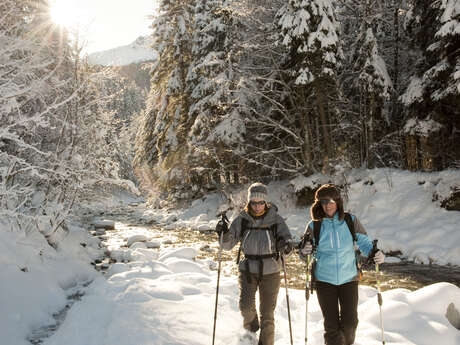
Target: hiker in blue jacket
{"x":335,"y":273}
{"x":264,"y":237}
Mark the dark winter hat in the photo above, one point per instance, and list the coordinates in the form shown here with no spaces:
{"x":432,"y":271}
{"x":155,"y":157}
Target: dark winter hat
{"x":326,"y":191}
{"x":257,"y":191}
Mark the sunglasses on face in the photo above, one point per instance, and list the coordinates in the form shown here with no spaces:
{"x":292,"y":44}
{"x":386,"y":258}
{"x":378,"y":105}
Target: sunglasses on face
{"x":257,"y":203}
{"x":327,"y":201}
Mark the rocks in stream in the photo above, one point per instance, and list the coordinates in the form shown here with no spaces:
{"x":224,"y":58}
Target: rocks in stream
{"x":104,"y":224}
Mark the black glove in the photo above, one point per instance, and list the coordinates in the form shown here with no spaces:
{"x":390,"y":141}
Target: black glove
{"x":221,"y":227}
{"x":285,"y":246}
{"x":305,"y":247}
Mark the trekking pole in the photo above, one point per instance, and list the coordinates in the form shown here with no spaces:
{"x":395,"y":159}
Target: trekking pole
{"x":307,"y":289}
{"x":219,"y":260}
{"x":287,"y":298}
{"x":379,"y":294}
{"x":307,"y":297}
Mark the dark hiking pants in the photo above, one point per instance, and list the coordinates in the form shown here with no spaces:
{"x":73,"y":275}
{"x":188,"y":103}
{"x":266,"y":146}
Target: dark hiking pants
{"x":268,"y":286}
{"x":339,"y":305}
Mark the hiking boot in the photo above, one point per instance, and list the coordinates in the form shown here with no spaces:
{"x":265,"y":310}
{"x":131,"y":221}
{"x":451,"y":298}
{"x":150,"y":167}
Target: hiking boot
{"x":254,"y":325}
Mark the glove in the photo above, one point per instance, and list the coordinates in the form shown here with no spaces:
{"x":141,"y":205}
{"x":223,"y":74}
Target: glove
{"x":285,"y":247}
{"x":221,"y":227}
{"x":379,"y":257}
{"x":306,"y":250}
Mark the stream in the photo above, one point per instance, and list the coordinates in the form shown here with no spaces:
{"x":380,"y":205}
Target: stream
{"x":403,"y":274}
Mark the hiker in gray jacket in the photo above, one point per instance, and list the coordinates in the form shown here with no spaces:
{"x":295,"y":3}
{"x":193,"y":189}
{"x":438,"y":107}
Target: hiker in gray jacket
{"x":264,"y":236}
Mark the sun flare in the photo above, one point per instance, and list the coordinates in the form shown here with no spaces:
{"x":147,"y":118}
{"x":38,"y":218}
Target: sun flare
{"x":67,"y":13}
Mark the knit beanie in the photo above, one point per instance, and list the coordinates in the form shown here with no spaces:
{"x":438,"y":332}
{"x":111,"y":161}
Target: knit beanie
{"x":257,"y":191}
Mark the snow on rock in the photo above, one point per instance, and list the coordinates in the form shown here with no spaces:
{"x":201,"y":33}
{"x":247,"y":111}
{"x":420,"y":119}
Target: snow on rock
{"x":179,"y":265}
{"x":104,"y":224}
{"x":143,"y":254}
{"x":202,"y":218}
{"x":136,"y":238}
{"x":169,"y":218}
{"x":170,"y":227}
{"x":136,"y":245}
{"x":153,"y":244}
{"x":206,"y":227}
{"x":120,"y":255}
{"x":117,"y":267}
{"x":185,"y":252}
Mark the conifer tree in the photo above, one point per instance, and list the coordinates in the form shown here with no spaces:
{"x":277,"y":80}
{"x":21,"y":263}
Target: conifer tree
{"x":164,"y":133}
{"x":373,"y":87}
{"x":215,"y":129}
{"x":310,"y":34}
{"x":433,"y":96}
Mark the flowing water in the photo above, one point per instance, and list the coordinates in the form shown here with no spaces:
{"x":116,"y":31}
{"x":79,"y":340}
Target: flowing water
{"x":404,"y":274}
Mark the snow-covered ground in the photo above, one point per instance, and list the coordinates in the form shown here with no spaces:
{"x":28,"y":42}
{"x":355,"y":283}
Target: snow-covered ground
{"x":166,"y":296}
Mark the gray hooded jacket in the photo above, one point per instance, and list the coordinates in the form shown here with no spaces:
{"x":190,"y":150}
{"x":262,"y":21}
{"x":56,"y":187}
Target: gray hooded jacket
{"x":258,"y":242}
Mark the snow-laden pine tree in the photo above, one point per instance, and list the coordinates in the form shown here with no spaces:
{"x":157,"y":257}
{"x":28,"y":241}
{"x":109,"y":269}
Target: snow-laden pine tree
{"x":310,"y":34}
{"x":162,"y":148}
{"x":372,"y":87}
{"x":433,"y":95}
{"x":216,"y":128}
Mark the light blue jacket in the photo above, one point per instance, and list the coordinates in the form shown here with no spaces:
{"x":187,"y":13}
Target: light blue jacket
{"x":335,"y":253}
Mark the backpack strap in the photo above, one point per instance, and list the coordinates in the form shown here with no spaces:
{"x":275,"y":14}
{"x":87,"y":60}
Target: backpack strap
{"x":351,"y":227}
{"x":316,"y":231}
{"x":244,"y":226}
{"x":244,"y":229}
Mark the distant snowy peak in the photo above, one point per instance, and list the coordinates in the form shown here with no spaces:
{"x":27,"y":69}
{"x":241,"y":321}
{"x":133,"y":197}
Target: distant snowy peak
{"x":138,"y":51}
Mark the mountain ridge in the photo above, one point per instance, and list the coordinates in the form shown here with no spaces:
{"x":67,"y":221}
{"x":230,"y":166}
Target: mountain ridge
{"x":140,"y":50}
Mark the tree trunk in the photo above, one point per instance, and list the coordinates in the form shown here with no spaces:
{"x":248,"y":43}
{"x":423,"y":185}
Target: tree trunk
{"x":324,"y":123}
{"x":370,"y":132}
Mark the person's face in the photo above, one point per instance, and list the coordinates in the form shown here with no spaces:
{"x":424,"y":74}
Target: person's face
{"x":329,"y":206}
{"x":257,"y":205}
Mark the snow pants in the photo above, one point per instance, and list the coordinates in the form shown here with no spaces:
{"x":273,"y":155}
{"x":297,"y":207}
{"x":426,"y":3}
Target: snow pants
{"x":339,"y":305}
{"x":268,"y":286}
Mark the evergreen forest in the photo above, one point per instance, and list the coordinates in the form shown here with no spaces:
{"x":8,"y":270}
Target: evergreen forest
{"x":241,"y":91}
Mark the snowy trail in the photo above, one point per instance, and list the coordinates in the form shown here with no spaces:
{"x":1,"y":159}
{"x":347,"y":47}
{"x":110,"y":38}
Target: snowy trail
{"x":166,"y":297}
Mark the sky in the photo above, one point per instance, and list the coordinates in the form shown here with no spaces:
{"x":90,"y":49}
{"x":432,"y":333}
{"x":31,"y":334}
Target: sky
{"x":158,"y":295}
{"x":105,"y":24}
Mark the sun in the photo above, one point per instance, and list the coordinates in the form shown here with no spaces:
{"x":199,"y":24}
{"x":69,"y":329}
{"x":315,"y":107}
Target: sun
{"x":67,"y":13}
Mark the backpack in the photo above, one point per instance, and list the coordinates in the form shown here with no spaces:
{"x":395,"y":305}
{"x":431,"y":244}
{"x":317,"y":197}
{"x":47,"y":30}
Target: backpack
{"x":351,"y":227}
{"x":259,"y":258}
